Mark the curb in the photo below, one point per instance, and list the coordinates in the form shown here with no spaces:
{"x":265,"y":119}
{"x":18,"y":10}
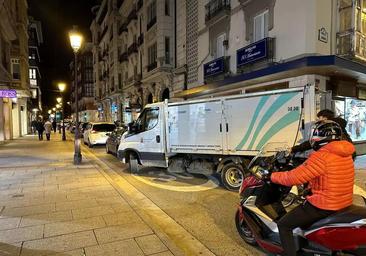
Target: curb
{"x":178,"y":240}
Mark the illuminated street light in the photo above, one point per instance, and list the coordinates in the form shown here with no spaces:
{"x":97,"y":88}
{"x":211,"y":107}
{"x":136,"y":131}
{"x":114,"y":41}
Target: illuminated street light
{"x":76,"y":40}
{"x":54,"y":109}
{"x":58,"y":106}
{"x":49,"y":112}
{"x":58,"y":99}
{"x":61,"y":87}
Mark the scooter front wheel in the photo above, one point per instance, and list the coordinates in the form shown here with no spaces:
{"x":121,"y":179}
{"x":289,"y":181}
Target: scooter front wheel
{"x":244,"y":231}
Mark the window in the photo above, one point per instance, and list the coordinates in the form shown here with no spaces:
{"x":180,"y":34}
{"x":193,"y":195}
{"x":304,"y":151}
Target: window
{"x":220,"y":46}
{"x":151,"y":15}
{"x":15,"y":68}
{"x":104,"y":127}
{"x":120,"y":81}
{"x":167,"y":50}
{"x":152,"y":52}
{"x":32,"y":73}
{"x":152,"y":117}
{"x":147,"y":120}
{"x":260,"y":26}
{"x":167,"y":8}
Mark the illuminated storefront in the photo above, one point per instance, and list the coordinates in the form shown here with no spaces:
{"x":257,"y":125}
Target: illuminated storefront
{"x":354,"y":112}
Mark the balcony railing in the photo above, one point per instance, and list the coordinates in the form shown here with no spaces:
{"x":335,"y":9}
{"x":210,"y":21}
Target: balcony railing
{"x":151,"y":23}
{"x":123,"y":57}
{"x":216,"y":7}
{"x":122,"y":28}
{"x":152,"y":66}
{"x":351,"y":44}
{"x":139,"y":5}
{"x":133,"y":48}
{"x":132,"y":16}
{"x":140,"y":40}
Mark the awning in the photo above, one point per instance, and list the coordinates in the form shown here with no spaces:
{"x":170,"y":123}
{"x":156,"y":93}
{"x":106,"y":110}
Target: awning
{"x":330,"y":65}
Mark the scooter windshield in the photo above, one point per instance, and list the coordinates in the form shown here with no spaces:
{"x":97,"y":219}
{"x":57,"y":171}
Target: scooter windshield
{"x":270,"y":149}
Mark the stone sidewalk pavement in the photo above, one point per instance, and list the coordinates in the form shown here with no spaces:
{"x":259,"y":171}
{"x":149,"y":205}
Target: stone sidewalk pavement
{"x":48,"y":206}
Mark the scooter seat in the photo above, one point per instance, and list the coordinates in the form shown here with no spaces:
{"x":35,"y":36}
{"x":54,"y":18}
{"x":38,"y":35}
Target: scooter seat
{"x":346,"y":215}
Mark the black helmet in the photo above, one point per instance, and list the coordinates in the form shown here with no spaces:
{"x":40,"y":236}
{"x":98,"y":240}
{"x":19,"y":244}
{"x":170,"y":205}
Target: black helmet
{"x":324,"y":132}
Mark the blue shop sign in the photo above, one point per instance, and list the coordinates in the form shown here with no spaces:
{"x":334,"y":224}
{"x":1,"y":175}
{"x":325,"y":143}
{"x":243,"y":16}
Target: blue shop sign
{"x":214,"y":67}
{"x":252,"y":53}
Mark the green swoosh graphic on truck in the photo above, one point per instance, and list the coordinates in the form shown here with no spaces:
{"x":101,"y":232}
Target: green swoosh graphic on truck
{"x":280,"y":101}
{"x":260,"y":105}
{"x":286,"y":120}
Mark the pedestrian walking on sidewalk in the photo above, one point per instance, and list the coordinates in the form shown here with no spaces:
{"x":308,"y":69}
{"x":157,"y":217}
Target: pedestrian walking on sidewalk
{"x":54,"y":125}
{"x":40,"y":129}
{"x":48,"y":129}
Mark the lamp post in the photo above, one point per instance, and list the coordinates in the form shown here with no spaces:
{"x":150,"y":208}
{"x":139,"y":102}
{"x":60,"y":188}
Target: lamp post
{"x":62,"y":87}
{"x":76,"y":40}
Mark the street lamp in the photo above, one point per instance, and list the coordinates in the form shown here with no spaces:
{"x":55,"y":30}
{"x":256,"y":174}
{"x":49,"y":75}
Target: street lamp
{"x":62,"y":87}
{"x":76,"y":40}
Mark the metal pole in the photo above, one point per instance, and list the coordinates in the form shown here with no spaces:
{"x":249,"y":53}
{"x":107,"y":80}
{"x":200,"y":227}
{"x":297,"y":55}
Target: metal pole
{"x":63,"y":121}
{"x":77,"y":153}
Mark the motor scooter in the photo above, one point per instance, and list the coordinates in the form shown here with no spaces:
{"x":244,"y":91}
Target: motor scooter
{"x":342,"y":233}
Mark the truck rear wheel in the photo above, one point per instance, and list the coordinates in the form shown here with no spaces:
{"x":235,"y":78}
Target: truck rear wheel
{"x":133,"y":163}
{"x":232,"y":176}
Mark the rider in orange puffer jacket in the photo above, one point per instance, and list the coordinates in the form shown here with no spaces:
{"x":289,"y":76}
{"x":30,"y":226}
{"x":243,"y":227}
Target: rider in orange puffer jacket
{"x":330,"y":173}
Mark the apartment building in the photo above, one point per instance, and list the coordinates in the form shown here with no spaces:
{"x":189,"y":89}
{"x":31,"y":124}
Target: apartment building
{"x":34,"y":42}
{"x":87,"y":109}
{"x":134,"y":55}
{"x":245,"y":46}
{"x":14,"y":70}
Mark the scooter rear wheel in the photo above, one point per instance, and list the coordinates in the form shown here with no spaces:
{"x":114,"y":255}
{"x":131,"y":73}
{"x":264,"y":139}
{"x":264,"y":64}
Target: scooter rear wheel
{"x":244,"y":231}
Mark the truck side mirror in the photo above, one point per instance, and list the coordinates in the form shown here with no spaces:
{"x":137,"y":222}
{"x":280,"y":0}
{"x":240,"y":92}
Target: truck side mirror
{"x":132,"y":127}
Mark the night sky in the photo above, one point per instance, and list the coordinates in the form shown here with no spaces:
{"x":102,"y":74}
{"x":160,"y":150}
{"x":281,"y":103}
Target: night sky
{"x":57,"y":18}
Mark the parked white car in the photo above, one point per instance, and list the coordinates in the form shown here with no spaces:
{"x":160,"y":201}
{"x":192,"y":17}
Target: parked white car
{"x":96,"y":133}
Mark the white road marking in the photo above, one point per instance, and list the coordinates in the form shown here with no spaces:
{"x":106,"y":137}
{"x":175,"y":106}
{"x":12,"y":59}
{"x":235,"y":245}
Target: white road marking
{"x":210,"y":184}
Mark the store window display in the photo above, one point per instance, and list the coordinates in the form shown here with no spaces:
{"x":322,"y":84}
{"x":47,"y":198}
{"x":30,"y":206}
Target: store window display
{"x":354,"y":112}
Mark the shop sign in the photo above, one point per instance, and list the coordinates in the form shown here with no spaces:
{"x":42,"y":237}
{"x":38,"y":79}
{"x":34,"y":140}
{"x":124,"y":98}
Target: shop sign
{"x":8,"y":93}
{"x":214,"y":67}
{"x":252,"y":53}
{"x":323,"y":35}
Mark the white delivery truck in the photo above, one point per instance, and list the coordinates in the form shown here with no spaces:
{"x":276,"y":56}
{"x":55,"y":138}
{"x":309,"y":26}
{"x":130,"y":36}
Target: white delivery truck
{"x":217,"y":134}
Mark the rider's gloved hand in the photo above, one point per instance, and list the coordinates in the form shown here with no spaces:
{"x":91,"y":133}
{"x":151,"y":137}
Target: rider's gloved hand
{"x":264,"y":175}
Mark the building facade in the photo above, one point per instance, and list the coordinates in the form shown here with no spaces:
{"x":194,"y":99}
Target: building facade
{"x":244,"y":46}
{"x":14,"y":69}
{"x":35,"y":41}
{"x":134,"y":55}
{"x":85,"y":84}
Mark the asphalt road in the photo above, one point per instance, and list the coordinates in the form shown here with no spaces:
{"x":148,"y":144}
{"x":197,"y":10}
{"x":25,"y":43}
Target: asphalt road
{"x":198,"y":203}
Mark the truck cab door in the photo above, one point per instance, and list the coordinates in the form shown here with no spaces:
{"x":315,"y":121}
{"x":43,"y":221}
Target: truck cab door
{"x":149,"y":137}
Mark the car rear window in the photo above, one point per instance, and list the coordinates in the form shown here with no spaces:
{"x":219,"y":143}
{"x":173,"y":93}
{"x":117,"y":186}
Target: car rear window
{"x":104,"y":127}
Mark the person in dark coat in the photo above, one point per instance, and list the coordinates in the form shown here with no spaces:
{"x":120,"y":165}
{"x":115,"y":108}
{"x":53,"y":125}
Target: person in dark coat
{"x":54,"y":125}
{"x":325,"y":114}
{"x":40,"y":129}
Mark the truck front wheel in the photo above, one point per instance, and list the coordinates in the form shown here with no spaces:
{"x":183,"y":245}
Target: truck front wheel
{"x":232,"y":176}
{"x":133,"y":163}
